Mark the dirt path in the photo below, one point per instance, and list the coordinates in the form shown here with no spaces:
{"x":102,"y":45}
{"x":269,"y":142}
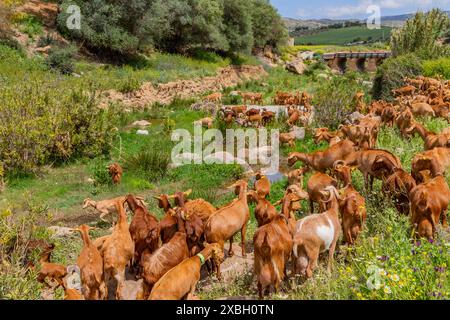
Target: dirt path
{"x":183,"y":89}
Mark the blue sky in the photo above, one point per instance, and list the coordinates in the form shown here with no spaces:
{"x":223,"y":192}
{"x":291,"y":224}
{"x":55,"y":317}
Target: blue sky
{"x":338,"y":9}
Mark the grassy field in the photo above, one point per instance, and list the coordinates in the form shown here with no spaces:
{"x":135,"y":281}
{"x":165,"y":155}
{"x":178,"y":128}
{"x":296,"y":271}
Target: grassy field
{"x":344,"y":35}
{"x":54,"y":195}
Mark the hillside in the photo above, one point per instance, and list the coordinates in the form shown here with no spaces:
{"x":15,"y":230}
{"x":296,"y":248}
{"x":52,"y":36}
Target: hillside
{"x":344,"y":36}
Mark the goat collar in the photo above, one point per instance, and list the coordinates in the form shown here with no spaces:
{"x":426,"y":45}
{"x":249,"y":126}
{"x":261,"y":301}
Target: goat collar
{"x":202,"y":258}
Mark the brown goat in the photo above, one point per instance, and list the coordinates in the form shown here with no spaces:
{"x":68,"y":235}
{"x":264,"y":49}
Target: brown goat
{"x":273,"y":247}
{"x":365,"y":159}
{"x":429,"y":202}
{"x":296,"y":176}
{"x":168,"y":224}
{"x":316,"y":184}
{"x":352,"y":206}
{"x":228,"y":220}
{"x":436,"y":160}
{"x":118,"y":250}
{"x":155,"y":264}
{"x":262,"y":185}
{"x":144,"y":229}
{"x":53,"y":271}
{"x":398,"y":186}
{"x":264,"y":210}
{"x":431,"y":139}
{"x":115,"y":171}
{"x":90,"y":263}
{"x":323,"y":160}
{"x":180,"y":281}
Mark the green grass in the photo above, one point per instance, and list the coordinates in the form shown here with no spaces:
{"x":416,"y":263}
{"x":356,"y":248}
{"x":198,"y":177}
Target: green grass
{"x":344,"y":35}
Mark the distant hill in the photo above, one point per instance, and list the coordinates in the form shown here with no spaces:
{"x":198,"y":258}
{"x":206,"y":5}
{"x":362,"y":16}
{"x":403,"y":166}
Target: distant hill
{"x":390,"y":21}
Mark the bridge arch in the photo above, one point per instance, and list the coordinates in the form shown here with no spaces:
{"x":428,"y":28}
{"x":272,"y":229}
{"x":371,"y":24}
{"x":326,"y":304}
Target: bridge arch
{"x":342,"y":64}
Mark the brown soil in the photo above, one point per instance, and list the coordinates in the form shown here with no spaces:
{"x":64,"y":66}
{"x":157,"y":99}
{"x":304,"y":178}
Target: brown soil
{"x":183,"y":89}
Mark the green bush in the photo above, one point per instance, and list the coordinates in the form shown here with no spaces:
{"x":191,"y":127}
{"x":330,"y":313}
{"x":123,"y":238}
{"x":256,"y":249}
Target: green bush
{"x":130,"y":84}
{"x":420,"y":35}
{"x":61,"y":59}
{"x":434,"y":68}
{"x":119,"y":29}
{"x":333,"y":101}
{"x":391,"y":73}
{"x":151,"y":162}
{"x":51,"y":122}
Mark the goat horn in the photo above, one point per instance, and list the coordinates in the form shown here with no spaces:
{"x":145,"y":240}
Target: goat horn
{"x":172,"y":196}
{"x":278,"y":202}
{"x":186,"y":193}
{"x":338,"y":164}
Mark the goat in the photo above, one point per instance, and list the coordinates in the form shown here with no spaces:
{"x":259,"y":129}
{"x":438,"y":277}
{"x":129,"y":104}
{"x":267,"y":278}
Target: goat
{"x":388,"y":115}
{"x":404,"y":121}
{"x":118,"y":249}
{"x":105,"y":207}
{"x":323,"y":160}
{"x":144,"y":229}
{"x":352,"y":206}
{"x":272,"y":247}
{"x":168,"y":224}
{"x":324,"y":134}
{"x":53,"y":271}
{"x":364,"y":160}
{"x":115,"y":171}
{"x":404,"y":91}
{"x":422,"y":109}
{"x":288,"y":138}
{"x":296,"y":176}
{"x":315,"y":234}
{"x":228,"y":220}
{"x":90,"y":263}
{"x":252,"y":97}
{"x":398,"y":186}
{"x":264,"y":210}
{"x":429,"y":202}
{"x":214,"y":97}
{"x":436,"y":160}
{"x":155,"y":264}
{"x":431,"y":139}
{"x":131,"y":290}
{"x":316,"y":184}
{"x":180,"y":281}
{"x":262,"y":185}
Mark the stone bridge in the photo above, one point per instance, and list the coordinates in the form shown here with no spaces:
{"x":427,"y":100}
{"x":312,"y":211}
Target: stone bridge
{"x":355,"y":61}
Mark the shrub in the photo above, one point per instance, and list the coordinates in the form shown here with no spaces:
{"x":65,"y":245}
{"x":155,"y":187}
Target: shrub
{"x":333,"y":101}
{"x":121,"y":29}
{"x":51,"y":122}
{"x":152,"y":161}
{"x":61,"y":59}
{"x":130,"y":84}
{"x":434,"y":68}
{"x":391,"y":73}
{"x":420,"y":35}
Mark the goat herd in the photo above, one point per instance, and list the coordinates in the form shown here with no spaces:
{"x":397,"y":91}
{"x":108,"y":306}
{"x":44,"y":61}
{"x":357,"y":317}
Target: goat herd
{"x":167,"y":255}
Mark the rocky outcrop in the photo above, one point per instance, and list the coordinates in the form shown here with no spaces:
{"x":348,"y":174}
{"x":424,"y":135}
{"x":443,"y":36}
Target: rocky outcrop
{"x":47,"y":12}
{"x":297,"y":66}
{"x":149,"y":94}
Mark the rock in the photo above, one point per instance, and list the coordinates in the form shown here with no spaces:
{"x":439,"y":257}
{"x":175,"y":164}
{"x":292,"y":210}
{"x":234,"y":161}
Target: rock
{"x":142,"y":132}
{"x":186,"y":158}
{"x":323,"y":76}
{"x":141,"y":123}
{"x":352,"y":118}
{"x":59,"y":232}
{"x":43,"y":50}
{"x":76,"y":75}
{"x":234,"y":93}
{"x":227,"y":158}
{"x":298,"y":132}
{"x":306,"y":55}
{"x":296,"y":66}
{"x":45,"y":11}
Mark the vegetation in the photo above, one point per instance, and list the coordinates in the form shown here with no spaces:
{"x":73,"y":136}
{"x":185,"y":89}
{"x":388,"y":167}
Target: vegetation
{"x":438,"y":67}
{"x":420,"y":35}
{"x":332,"y":109}
{"x":391,"y":73}
{"x":234,"y":26}
{"x":343,"y":36}
{"x":61,"y":59}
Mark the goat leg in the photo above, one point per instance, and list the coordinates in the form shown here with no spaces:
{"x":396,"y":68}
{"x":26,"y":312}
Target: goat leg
{"x":243,"y":231}
{"x":330,"y":256}
{"x":444,"y":219}
{"x":230,"y":250}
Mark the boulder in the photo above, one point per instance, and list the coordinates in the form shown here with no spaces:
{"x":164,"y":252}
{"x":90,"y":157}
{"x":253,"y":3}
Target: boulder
{"x":299,"y":132}
{"x":141,"y":123}
{"x":296,"y":66}
{"x":142,"y":132}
